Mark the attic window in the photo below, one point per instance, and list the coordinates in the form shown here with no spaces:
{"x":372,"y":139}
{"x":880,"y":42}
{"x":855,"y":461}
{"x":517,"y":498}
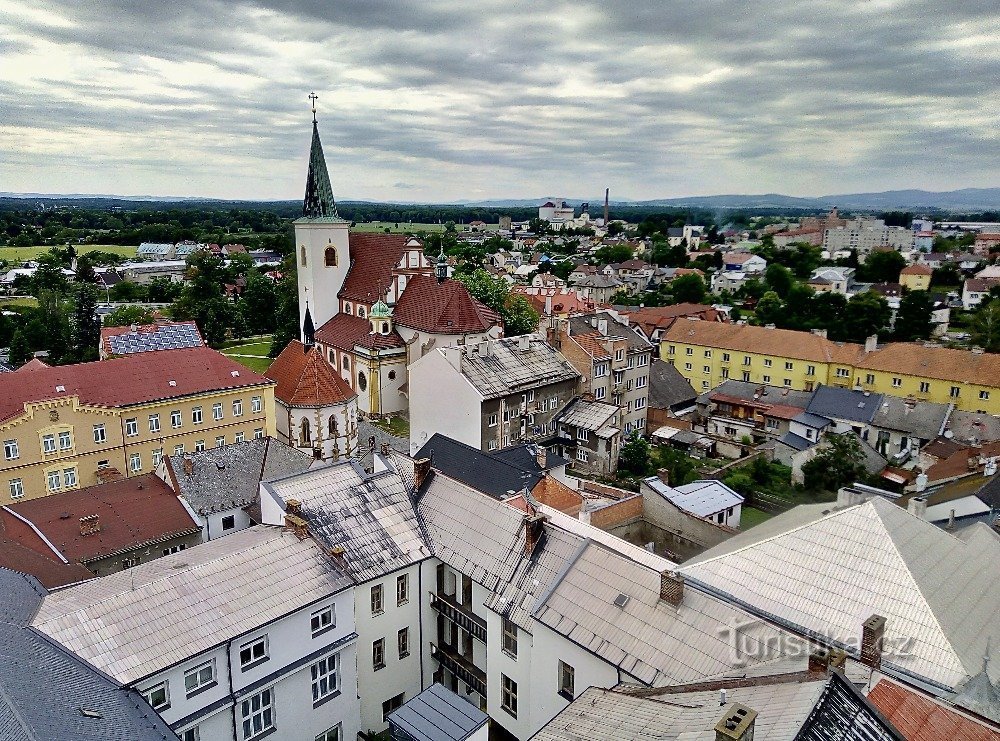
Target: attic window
{"x":171,"y":382}
{"x":621,"y":600}
{"x":234,"y":374}
{"x":60,"y":388}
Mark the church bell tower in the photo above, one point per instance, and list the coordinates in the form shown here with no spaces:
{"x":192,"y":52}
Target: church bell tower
{"x":322,"y":251}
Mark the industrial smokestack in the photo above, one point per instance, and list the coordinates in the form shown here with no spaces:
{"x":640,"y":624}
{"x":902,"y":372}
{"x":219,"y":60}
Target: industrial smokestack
{"x":607,"y":193}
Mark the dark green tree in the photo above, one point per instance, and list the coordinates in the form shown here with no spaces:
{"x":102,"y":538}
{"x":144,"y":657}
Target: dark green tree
{"x":913,"y":319}
{"x":839,"y":463}
{"x":613,"y":254}
{"x":769,"y":309}
{"x":517,"y":314}
{"x":257,"y":303}
{"x":85,"y":328}
{"x":633,"y":458}
{"x":20,"y":352}
{"x":866,"y":314}
{"x":779,"y":279}
{"x":689,"y":288}
{"x":286,"y":320}
{"x":125,"y":316}
{"x":985,"y":326}
{"x":883,"y":267}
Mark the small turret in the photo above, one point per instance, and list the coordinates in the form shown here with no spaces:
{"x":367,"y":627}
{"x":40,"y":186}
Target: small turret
{"x":380,"y":317}
{"x":441,"y":269}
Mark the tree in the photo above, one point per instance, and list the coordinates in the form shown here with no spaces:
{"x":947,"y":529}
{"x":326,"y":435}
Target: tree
{"x":633,"y":458}
{"x":85,"y":328}
{"x":126,"y":316}
{"x":913,"y":320}
{"x":286,"y":320}
{"x":665,"y":255}
{"x":615,"y":228}
{"x":126,"y":290}
{"x":613,"y":254}
{"x":866,"y":314}
{"x":54,"y":322}
{"x":517,"y":314}
{"x":883,"y":267}
{"x":19,"y":350}
{"x":839,"y":463}
{"x":769,"y":309}
{"x":257,"y":303}
{"x":688,"y":288}
{"x":985,"y":327}
{"x":779,"y":279}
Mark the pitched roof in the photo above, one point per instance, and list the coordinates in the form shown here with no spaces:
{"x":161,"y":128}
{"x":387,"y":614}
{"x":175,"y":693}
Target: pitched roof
{"x":920,"y":718}
{"x":44,"y":690}
{"x":346,"y":331}
{"x":132,"y":379}
{"x":838,"y":403}
{"x":305,"y":379}
{"x":700,"y":498}
{"x":259,"y":574}
{"x":917,"y":269}
{"x":148,"y":337}
{"x":228,"y":477}
{"x":22,"y":549}
{"x":667,"y":387}
{"x":133,"y":512}
{"x":824,"y":570}
{"x":318,"y":201}
{"x":507,"y":368}
{"x":924,"y":419}
{"x":914,"y":359}
{"x":588,"y":415}
{"x":761,"y":340}
{"x":437,"y":714}
{"x":442,"y":308}
{"x":373,"y":256}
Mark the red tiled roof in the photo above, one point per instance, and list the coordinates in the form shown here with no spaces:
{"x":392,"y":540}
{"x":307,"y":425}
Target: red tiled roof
{"x":133,"y":512}
{"x":22,"y":550}
{"x":442,"y":308}
{"x":592,"y":345}
{"x":373,"y":256}
{"x":919,"y":718}
{"x":345,"y":332}
{"x":33,"y":365}
{"x":132,"y":379}
{"x":916,"y":269}
{"x":304,"y":378}
{"x":981,"y":284}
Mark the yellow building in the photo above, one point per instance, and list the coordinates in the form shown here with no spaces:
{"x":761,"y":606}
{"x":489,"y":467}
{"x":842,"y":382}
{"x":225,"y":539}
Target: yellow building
{"x":916,"y":277}
{"x":61,"y":426}
{"x":709,"y":353}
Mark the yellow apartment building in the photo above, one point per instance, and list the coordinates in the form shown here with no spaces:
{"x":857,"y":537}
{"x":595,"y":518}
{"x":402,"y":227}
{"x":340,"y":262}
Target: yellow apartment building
{"x":62,"y":426}
{"x":709,"y":353}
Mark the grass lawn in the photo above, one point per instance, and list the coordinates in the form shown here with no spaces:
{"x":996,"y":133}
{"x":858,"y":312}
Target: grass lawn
{"x":254,"y":348}
{"x":258,"y":364}
{"x":17,"y":254}
{"x":20,"y":301}
{"x":750,"y":517}
{"x":254,"y":354}
{"x":396,"y":425}
{"x":403,"y":228}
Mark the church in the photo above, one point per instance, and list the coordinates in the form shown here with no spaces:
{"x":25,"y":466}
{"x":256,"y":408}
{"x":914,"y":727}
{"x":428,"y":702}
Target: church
{"x":373,"y":304}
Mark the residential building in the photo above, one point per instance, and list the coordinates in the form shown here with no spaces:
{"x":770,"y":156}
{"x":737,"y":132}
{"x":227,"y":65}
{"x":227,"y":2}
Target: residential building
{"x":153,"y":252}
{"x":745,"y":262}
{"x":916,"y":277}
{"x":105,"y":528}
{"x":977,"y":290}
{"x":835,"y":279}
{"x":708,"y":353}
{"x":316,"y":409}
{"x":652,"y":321}
{"x":986,"y":243}
{"x":613,"y":360}
{"x":220,"y":486}
{"x":742,"y":411}
{"x":798,"y":236}
{"x":280,"y":660}
{"x":498,"y":392}
{"x":598,"y":288}
{"x":590,"y":433}
{"x":864,"y":235}
{"x":149,"y":337}
{"x":670,"y":394}
{"x":47,"y":692}
{"x":63,"y":426}
{"x":550,"y":302}
{"x":708,"y":499}
{"x":145,"y":273}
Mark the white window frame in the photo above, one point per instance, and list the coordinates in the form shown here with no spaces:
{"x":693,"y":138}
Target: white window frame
{"x":325,"y":678}
{"x":53,"y":480}
{"x":131,"y":427}
{"x":157,"y":456}
{"x":135,"y":462}
{"x":197,"y":416}
{"x":154,"y":422}
{"x":256,"y":404}
{"x":100,"y":434}
{"x":331,"y":734}
{"x":65,"y":440}
{"x":48,"y":444}
{"x":493,"y":420}
{"x":258,"y":433}
{"x":11,"y":451}
{"x":255,"y":657}
{"x":323,"y":620}
{"x":237,"y":407}
{"x":582,"y":456}
{"x":217,"y":411}
{"x":260,"y":719}
{"x":164,"y":687}
{"x":16,"y":488}
{"x":176,"y":419}
{"x":202,"y":681}
{"x":220,"y":441}
{"x":239,"y":437}
{"x":69,"y":478}
{"x":600,"y":392}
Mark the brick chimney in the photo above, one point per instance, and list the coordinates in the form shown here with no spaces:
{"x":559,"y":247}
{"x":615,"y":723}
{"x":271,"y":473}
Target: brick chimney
{"x":188,"y":465}
{"x":736,"y":724}
{"x":819,"y":660}
{"x":671,"y":587}
{"x":421,"y":470}
{"x":663,"y":474}
{"x":293,"y":507}
{"x":872,"y":635}
{"x":298,"y":526}
{"x":90,"y":525}
{"x":533,"y":527}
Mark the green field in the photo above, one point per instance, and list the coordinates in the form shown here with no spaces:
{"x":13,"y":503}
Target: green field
{"x":19,"y":301}
{"x":405,"y":227}
{"x":750,"y":517}
{"x":19,"y":254}
{"x":251,"y":354}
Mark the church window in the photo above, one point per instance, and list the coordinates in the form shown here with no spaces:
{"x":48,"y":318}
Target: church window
{"x":385,"y":327}
{"x":332,"y":425}
{"x":332,"y":357}
{"x":346,"y":363}
{"x":302,"y":251}
{"x":362,"y":380}
{"x":331,"y":256}
{"x":347,"y":308}
{"x":392,"y":375}
{"x":361,"y":312}
{"x":305,"y":436}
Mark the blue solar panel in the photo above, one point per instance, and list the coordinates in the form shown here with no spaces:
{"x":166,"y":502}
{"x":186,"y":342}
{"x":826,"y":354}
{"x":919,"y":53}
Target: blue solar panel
{"x":168,"y":337}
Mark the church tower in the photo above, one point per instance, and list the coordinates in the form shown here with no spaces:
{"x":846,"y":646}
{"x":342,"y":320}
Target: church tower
{"x":322,"y":251}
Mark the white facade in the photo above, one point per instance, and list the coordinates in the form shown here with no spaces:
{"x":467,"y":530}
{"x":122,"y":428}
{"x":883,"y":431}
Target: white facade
{"x":442,"y":400}
{"x":331,"y":429}
{"x":323,"y":257}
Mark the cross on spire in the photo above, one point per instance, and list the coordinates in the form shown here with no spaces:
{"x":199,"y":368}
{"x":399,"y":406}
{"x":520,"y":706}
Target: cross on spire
{"x":313,"y":97}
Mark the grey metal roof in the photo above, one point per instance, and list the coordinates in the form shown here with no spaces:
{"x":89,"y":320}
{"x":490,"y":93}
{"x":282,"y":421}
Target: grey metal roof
{"x":588,"y":415}
{"x":436,"y":714}
{"x":700,"y":498}
{"x":597,"y":281}
{"x":228,"y":477}
{"x":165,"y":337}
{"x":491,"y":474}
{"x":507,"y":369}
{"x":668,"y":388}
{"x":371,"y":517}
{"x":140,"y":621}
{"x":923,"y":419}
{"x":811,"y":420}
{"x":584,"y":324}
{"x":826,"y":570}
{"x":760,"y":393}
{"x":44,"y":689}
{"x":837,"y":403}
{"x":795,"y":442}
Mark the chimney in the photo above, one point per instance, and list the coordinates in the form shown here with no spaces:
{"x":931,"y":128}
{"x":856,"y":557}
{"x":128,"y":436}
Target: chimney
{"x":541,"y":455}
{"x":293,"y":507}
{"x":385,"y":449}
{"x":736,"y":724}
{"x":819,"y":332}
{"x":532,"y":532}
{"x":872,"y":634}
{"x":951,"y":519}
{"x":663,"y":474}
{"x":421,"y":470}
{"x":917,"y":506}
{"x":548,"y":306}
{"x":90,"y":525}
{"x":819,"y":660}
{"x":602,"y":326}
{"x":298,"y":526}
{"x":524,"y":343}
{"x":671,"y":587}
{"x":188,"y":465}
{"x":871,"y":343}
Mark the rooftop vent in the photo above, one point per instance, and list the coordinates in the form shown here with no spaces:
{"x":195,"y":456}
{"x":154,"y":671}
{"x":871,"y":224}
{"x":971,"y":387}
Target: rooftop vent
{"x":234,"y":374}
{"x":60,"y":388}
{"x":88,"y":713}
{"x":171,"y":382}
{"x":621,"y":600}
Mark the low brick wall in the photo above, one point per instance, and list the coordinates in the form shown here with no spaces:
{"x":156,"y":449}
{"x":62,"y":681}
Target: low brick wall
{"x":617,"y":513}
{"x":607,"y":491}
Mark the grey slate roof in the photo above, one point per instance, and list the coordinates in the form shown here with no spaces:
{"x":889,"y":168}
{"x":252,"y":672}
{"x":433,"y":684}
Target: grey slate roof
{"x":492,"y":474}
{"x":924,"y":420}
{"x":507,"y":369}
{"x":43,"y":688}
{"x":584,"y":324}
{"x":837,"y":403}
{"x":811,"y":420}
{"x":795,"y":442}
{"x":668,"y":389}
{"x":523,"y":457}
{"x":228,"y":477}
{"x":436,"y":714}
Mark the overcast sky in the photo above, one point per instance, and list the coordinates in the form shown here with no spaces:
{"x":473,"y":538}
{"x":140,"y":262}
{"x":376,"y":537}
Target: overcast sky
{"x":466,"y":100}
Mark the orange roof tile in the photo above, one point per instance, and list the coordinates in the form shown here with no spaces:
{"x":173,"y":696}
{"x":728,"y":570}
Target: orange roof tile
{"x":305,"y":379}
{"x":917,"y":269}
{"x":919,"y":718}
{"x":346,"y":331}
{"x":442,"y":308}
{"x":373,"y":256}
{"x":914,"y":359}
{"x":763,"y":341}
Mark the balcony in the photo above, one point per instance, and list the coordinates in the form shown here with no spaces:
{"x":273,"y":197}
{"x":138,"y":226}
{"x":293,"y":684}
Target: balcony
{"x":463,"y":618}
{"x":461,"y":667}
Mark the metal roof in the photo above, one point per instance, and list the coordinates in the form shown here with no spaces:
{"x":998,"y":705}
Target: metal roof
{"x":700,"y":498}
{"x":142,"y":620}
{"x":437,"y":714}
{"x":822,"y":570}
{"x":507,"y":369}
{"x":159,"y":337}
{"x":588,"y":415}
{"x":837,"y":403}
{"x":490,"y":474}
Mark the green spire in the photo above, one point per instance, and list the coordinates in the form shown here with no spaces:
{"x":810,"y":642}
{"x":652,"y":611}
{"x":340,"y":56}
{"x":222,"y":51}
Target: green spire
{"x":380,"y":310}
{"x":319,"y":193}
